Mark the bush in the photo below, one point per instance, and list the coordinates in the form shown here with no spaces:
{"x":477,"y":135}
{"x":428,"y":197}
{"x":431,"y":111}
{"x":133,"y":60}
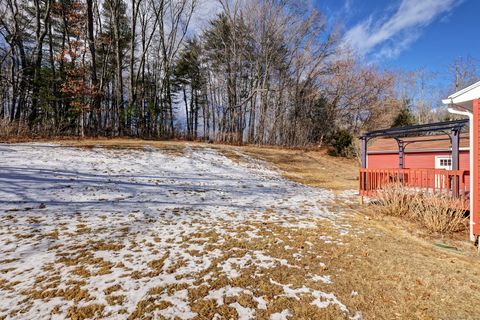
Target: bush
{"x":10,"y":129}
{"x":404,"y":118}
{"x":342,"y":144}
{"x":395,"y":201}
{"x":437,"y":212}
{"x":440,"y":213}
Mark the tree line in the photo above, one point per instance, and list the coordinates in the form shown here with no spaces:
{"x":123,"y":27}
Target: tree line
{"x":259,"y":71}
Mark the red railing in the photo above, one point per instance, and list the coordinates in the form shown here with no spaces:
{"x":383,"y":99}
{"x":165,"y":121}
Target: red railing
{"x":454,"y":182}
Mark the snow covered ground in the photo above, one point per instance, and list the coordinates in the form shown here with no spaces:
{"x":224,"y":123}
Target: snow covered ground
{"x":117,"y":233}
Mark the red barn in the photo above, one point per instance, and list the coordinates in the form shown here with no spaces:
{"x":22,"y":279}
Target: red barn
{"x":438,"y":157}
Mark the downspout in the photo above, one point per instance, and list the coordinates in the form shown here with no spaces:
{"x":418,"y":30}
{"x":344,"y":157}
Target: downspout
{"x":470,"y":118}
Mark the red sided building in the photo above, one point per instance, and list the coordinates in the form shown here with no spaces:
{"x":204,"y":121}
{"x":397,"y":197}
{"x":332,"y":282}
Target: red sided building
{"x":437,"y":157}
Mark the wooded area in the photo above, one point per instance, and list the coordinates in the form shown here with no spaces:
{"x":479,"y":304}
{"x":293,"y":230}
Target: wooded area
{"x":260,"y":71}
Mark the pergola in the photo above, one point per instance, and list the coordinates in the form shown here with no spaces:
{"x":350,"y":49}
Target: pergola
{"x":426,"y":132}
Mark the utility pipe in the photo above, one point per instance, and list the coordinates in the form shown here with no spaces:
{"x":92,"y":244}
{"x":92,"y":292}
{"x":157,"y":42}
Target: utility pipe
{"x":470,"y":118}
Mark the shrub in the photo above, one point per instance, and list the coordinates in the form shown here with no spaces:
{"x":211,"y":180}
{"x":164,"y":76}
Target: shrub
{"x":342,"y":144}
{"x":404,"y":118}
{"x":10,"y":129}
{"x":440,"y":213}
{"x":437,"y":212}
{"x":395,"y":201}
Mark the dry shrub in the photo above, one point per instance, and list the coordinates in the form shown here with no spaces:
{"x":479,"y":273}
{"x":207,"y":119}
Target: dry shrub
{"x":440,"y":213}
{"x":437,"y":212}
{"x":395,"y":200}
{"x":11,"y":129}
{"x":17,"y":131}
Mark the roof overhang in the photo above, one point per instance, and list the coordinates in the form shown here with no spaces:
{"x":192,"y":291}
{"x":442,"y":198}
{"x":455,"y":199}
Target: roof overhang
{"x":464,"y":98}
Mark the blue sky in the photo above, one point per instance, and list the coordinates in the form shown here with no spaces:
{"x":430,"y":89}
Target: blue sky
{"x":408,"y":34}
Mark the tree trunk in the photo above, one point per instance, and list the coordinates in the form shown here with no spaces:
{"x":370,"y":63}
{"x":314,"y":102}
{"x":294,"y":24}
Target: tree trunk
{"x":95,"y":114}
{"x":38,"y":55}
{"x":118,"y":70}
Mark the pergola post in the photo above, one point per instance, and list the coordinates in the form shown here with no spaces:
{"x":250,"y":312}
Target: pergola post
{"x":456,"y":161}
{"x":364,"y":150}
{"x":401,"y":154}
{"x":363,"y":175}
{"x":455,"y":149}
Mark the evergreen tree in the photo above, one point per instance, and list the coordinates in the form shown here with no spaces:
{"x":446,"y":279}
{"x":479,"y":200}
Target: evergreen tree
{"x":405,"y":117}
{"x":117,"y":34}
{"x":188,"y":74}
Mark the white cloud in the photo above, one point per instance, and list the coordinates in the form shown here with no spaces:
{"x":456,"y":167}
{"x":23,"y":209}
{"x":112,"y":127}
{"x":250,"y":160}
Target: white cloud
{"x":398,"y":30}
{"x":390,"y":51}
{"x":339,"y":15}
{"x":347,"y":7}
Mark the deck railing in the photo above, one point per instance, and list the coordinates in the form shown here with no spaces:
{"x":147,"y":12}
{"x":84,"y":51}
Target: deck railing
{"x":453,"y":182}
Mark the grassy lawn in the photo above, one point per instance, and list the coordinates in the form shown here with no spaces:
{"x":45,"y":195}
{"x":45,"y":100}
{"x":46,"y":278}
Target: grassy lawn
{"x":283,"y":261}
{"x":311,"y":167}
{"x":401,"y":270}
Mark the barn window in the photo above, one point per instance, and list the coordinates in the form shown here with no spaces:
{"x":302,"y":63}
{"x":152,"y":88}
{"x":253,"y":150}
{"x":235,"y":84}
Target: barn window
{"x":445,"y":162}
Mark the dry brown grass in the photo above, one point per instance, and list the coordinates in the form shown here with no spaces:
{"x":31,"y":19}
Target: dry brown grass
{"x":92,"y":311}
{"x":311,"y":167}
{"x":401,"y":276}
{"x":308,"y":166}
{"x":171,"y":147}
{"x":111,"y":289}
{"x":74,"y":293}
{"x":397,"y":270}
{"x":115,"y":299}
{"x":105,"y":246}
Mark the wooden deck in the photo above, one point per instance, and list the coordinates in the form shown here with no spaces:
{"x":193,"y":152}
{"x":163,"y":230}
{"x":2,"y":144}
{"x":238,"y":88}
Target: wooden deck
{"x":452,"y":182}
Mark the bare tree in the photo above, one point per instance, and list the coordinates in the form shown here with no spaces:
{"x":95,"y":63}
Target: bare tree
{"x":464,"y":72}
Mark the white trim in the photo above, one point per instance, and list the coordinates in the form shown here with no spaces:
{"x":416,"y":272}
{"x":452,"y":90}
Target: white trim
{"x":461,"y":92}
{"x":464,"y":98}
{"x":438,"y":160}
{"x":471,"y":136}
